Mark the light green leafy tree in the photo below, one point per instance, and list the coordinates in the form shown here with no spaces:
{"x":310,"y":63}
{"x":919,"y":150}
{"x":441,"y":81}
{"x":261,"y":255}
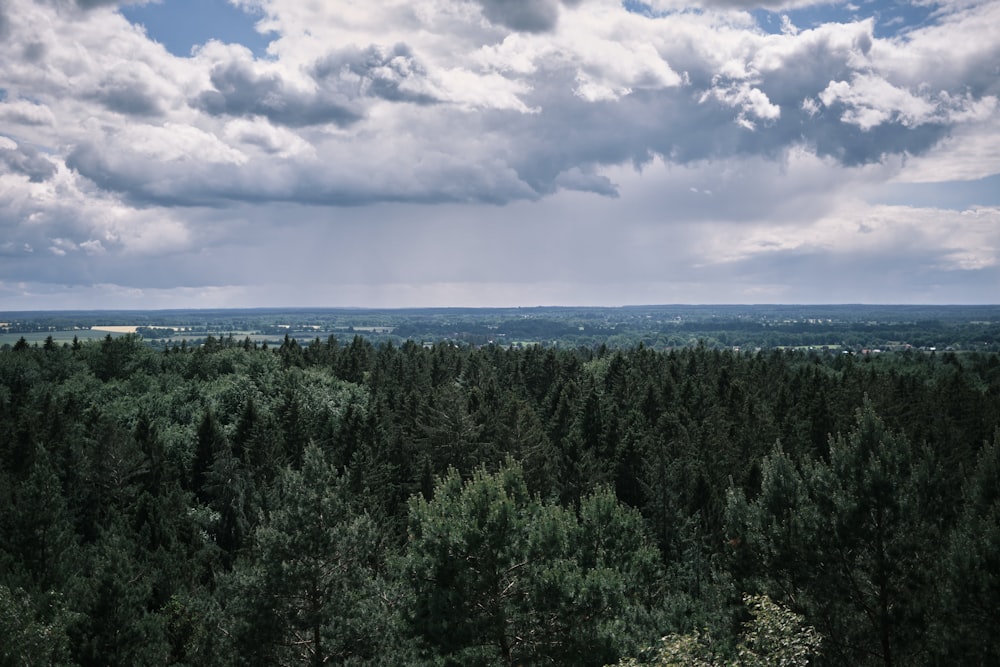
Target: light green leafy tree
{"x":29,"y":635}
{"x":775,"y":636}
{"x":499,"y":577}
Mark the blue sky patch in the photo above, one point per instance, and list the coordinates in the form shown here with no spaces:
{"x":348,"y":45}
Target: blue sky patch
{"x":636,"y":7}
{"x":892,"y":17}
{"x":954,"y":195}
{"x":180,"y":25}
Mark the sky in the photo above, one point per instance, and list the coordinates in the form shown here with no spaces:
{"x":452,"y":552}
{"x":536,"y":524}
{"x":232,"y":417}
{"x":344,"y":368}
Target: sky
{"x":409,"y":153}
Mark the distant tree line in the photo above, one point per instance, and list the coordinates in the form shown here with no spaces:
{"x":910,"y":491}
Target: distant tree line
{"x":342,"y":502}
{"x":851,"y":327}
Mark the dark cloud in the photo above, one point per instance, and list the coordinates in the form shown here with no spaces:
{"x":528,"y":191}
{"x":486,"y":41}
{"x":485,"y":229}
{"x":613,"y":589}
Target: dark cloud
{"x":34,"y":52}
{"x":417,"y":179}
{"x":688,"y":124}
{"x":26,"y":160}
{"x":915,"y":273}
{"x":4,"y":23}
{"x":131,"y":98}
{"x":585,"y":180}
{"x":454,"y":154}
{"x":240,"y":91}
{"x":166,"y":184}
{"x":522,"y":15}
{"x":852,"y":146}
{"x":383,"y":72}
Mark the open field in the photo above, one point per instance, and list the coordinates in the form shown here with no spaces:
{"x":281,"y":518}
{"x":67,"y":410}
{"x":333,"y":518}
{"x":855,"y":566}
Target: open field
{"x":59,"y":337}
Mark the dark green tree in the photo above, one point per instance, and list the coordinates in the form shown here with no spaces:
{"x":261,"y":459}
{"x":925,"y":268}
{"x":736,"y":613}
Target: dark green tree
{"x":852,"y":541}
{"x":307,"y":592}
{"x":114,"y":624}
{"x":970,"y":574}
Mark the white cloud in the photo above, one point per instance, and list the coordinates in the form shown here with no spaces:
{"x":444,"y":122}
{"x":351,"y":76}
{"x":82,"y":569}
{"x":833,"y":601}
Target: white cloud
{"x":445,"y":69}
{"x":172,"y":142}
{"x":971,"y":152}
{"x":872,"y":101}
{"x":63,"y":214}
{"x":272,"y":140}
{"x":750,"y":101}
{"x":892,"y":235}
{"x":410,"y":131}
{"x":23,"y":112}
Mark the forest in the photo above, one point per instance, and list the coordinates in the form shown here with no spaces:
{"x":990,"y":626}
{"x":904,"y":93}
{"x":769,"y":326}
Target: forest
{"x":345,"y":501}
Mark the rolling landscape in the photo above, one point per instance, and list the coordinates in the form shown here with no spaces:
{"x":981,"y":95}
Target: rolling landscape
{"x":500,"y":333}
{"x":830,"y":328}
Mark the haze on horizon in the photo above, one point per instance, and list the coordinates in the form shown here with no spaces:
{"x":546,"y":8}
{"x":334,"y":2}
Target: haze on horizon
{"x":422,"y":153}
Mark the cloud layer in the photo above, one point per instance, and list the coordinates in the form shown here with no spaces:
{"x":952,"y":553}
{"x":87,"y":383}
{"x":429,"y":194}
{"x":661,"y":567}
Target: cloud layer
{"x":465,"y":150}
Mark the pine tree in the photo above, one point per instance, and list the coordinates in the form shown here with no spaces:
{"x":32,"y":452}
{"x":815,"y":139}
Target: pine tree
{"x":849,"y":541}
{"x":307,"y":592}
{"x":970,"y":573}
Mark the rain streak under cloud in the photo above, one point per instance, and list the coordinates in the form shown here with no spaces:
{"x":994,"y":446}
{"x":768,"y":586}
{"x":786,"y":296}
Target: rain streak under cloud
{"x":497,"y":152}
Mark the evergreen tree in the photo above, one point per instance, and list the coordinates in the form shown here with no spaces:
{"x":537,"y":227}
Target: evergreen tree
{"x":307,"y":592}
{"x":848,"y":541}
{"x":971,"y":571}
{"x":775,"y":636}
{"x":114,"y":625}
{"x":210,"y":443}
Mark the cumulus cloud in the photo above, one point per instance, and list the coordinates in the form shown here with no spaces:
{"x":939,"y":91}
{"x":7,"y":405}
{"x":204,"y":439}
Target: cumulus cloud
{"x":524,"y":15}
{"x":94,"y":4}
{"x":24,"y":160}
{"x":90,"y":4}
{"x":60,"y":231}
{"x":392,"y":74}
{"x":267,"y":137}
{"x":870,"y":101}
{"x":23,"y":112}
{"x":240,"y":87}
{"x":126,"y":89}
{"x":559,"y":113}
{"x":932,"y":254}
{"x":599,"y":87}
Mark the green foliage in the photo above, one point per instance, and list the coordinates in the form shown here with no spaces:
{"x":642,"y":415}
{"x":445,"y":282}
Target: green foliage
{"x":501,"y":577}
{"x":307,"y":591}
{"x":970,"y":570}
{"x":114,"y":625}
{"x":227,"y":503}
{"x":775,"y":636}
{"x":29,"y":635}
{"x":848,"y":540}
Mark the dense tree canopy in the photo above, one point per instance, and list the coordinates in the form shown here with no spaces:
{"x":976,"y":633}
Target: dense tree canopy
{"x":344,"y":502}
